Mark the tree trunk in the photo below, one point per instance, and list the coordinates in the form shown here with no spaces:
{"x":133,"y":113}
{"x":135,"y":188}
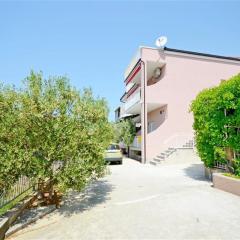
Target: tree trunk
{"x":128,"y":152}
{"x":230,"y":157}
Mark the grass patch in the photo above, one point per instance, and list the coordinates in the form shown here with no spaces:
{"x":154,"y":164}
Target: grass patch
{"x":231,"y":175}
{"x":14,"y":202}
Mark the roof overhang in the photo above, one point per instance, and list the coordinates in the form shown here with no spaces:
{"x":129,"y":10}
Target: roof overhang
{"x":135,"y":72}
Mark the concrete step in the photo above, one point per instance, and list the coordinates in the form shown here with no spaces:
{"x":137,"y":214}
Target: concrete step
{"x":169,"y":153}
{"x":182,"y":156}
{"x":163,"y":156}
{"x":185,"y":148}
{"x":171,"y":149}
{"x":158,"y":160}
{"x":153,"y":163}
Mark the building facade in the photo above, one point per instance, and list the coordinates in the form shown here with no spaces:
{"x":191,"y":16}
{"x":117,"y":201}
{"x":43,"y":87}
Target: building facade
{"x":160,"y":85}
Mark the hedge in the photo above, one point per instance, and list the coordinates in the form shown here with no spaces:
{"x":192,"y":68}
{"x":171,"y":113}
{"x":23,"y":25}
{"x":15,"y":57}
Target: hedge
{"x":216,"y":114}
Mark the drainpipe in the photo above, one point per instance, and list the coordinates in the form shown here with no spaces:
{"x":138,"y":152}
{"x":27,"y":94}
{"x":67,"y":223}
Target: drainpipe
{"x":144,"y":111}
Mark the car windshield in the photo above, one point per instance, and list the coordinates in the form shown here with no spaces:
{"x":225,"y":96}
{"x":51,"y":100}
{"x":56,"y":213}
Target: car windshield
{"x":113,"y":147}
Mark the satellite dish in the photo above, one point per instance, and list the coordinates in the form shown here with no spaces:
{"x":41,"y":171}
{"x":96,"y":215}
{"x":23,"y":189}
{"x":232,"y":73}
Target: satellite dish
{"x":161,"y":42}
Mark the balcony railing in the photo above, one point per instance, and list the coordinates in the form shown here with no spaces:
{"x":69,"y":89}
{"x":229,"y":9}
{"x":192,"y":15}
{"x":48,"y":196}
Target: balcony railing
{"x":133,"y":99}
{"x":137,"y":142}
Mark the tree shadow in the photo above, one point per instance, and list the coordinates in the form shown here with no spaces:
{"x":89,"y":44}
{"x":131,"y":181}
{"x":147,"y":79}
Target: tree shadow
{"x":30,"y":216}
{"x":196,"y":172}
{"x":76,"y":202}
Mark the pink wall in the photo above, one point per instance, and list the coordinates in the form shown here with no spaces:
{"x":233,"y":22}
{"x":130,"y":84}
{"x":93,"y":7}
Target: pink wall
{"x":157,"y":118}
{"x":184,"y":77}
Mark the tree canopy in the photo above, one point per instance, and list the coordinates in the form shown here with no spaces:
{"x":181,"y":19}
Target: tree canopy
{"x":48,"y":124}
{"x":124,"y":131}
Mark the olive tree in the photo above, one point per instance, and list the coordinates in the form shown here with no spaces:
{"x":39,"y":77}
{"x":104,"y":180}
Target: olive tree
{"x":48,"y":124}
{"x":125,"y":131}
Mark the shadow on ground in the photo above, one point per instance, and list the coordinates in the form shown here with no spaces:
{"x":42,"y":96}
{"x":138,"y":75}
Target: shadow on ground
{"x":96,"y":193}
{"x":75,"y":202}
{"x":195,"y":171}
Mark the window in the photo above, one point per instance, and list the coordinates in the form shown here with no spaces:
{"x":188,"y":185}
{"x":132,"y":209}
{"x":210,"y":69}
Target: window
{"x":151,"y":126}
{"x":113,"y":147}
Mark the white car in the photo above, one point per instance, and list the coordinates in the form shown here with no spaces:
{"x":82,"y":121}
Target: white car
{"x":114,"y":154}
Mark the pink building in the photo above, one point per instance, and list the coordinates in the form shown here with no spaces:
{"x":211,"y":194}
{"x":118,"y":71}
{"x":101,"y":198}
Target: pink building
{"x":160,"y":86}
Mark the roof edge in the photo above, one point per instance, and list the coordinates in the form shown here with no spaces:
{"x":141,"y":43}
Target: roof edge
{"x":202,"y":54}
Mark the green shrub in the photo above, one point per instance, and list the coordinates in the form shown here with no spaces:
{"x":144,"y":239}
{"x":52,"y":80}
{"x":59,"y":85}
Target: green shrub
{"x":217,"y":121}
{"x":48,"y":122}
{"x":124,"y":131}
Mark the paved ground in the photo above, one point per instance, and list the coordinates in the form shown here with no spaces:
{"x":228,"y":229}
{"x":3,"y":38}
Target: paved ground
{"x":144,"y":202}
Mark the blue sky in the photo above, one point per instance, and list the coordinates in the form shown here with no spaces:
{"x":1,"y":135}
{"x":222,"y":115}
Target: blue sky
{"x":93,"y":42}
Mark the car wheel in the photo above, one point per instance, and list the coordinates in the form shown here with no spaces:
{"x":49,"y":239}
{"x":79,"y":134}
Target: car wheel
{"x":120,"y":162}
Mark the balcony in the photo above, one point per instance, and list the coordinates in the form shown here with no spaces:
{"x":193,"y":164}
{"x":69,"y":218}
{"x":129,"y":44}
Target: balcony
{"x":132,"y":104}
{"x":136,"y":145}
{"x":132,"y":64}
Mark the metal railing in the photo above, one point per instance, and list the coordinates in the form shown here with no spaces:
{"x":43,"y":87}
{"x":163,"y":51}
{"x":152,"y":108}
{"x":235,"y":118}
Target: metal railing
{"x":132,"y":100}
{"x":220,"y":165}
{"x":180,"y":141}
{"x":136,"y":142}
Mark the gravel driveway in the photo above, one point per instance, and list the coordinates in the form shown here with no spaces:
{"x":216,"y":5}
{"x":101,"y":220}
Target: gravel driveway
{"x":144,"y":202}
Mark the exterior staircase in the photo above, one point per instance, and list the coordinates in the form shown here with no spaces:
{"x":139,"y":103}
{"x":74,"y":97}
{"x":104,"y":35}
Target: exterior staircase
{"x":161,"y":158}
